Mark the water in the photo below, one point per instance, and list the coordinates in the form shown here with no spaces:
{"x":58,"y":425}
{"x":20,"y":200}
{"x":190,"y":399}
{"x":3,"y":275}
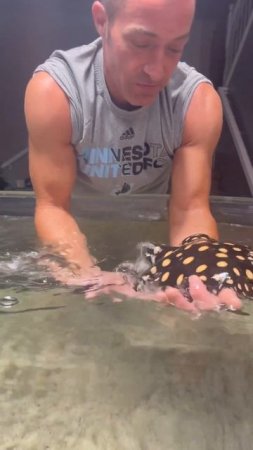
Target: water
{"x":117,"y":376}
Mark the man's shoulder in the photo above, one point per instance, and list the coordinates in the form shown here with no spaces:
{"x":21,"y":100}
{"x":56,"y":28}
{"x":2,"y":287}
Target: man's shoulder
{"x":177,"y":97}
{"x":78,"y":54}
{"x":71,"y":69}
{"x":184,"y":78}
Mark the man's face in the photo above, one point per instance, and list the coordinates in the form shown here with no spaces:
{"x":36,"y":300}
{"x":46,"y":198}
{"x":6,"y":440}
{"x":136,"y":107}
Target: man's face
{"x":142,"y":47}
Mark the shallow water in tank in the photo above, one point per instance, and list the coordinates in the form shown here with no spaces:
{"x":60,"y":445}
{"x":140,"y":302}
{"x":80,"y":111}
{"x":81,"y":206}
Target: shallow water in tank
{"x":117,"y":376}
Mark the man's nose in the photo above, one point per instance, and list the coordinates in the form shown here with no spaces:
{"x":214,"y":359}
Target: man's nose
{"x":156,"y":68}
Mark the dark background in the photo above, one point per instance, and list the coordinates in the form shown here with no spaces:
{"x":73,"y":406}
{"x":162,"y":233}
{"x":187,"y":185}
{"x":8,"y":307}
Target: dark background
{"x":31,"y":29}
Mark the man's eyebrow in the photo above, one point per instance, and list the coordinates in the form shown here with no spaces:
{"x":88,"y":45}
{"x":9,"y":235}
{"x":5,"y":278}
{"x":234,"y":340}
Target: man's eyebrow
{"x":142,"y":30}
{"x":139,"y":30}
{"x":182,"y":37}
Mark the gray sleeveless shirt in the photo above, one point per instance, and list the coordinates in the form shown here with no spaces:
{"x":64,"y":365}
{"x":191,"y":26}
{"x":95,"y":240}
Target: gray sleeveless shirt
{"x":118,"y":151}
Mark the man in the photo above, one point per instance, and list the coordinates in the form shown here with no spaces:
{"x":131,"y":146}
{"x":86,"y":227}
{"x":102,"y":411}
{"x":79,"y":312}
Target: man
{"x":128,"y":117}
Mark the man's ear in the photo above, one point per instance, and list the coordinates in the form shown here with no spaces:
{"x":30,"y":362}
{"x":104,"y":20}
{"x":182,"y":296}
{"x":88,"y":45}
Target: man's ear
{"x":100,"y":18}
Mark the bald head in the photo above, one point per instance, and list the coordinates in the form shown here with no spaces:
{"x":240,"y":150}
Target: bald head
{"x":113,"y":6}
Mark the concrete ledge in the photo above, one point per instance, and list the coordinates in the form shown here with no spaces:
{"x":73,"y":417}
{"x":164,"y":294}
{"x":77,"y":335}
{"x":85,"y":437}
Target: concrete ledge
{"x":136,"y":207}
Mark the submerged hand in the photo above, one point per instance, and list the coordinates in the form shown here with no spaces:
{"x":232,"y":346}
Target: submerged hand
{"x":90,"y":278}
{"x":69,"y":274}
{"x":96,"y":282}
{"x":202,"y":299}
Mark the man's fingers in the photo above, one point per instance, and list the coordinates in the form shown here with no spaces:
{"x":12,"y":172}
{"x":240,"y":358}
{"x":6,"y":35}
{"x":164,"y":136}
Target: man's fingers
{"x":206,"y":301}
{"x":229,"y":298}
{"x":173,"y":296}
{"x":202,"y":298}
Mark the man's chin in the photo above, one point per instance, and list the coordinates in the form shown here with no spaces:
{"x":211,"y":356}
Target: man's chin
{"x":133,"y":101}
{"x":141,"y":101}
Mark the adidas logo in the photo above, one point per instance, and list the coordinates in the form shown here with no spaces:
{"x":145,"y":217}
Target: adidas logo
{"x":128,"y":134}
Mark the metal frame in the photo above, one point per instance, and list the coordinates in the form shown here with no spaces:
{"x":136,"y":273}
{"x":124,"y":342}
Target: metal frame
{"x":14,"y":158}
{"x":236,"y":135}
{"x":239,"y":23}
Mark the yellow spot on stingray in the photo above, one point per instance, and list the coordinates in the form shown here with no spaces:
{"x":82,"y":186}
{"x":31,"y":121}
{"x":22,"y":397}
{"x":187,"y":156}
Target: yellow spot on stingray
{"x":236,"y":271}
{"x":239,"y":286}
{"x":246,"y":287}
{"x":188,"y":246}
{"x":222,"y":264}
{"x":229,"y":281}
{"x":203,"y":248}
{"x":168,"y":253}
{"x":180,"y":279}
{"x":222,"y":250}
{"x":165,"y":277}
{"x":242,"y":258}
{"x":188,"y":260}
{"x":203,"y":277}
{"x":201,"y":268}
{"x":221,"y":255}
{"x":249,"y":274}
{"x":228,"y":243}
{"x":178,"y":254}
{"x":166,"y":262}
{"x":237,"y":249}
{"x":153,"y":270}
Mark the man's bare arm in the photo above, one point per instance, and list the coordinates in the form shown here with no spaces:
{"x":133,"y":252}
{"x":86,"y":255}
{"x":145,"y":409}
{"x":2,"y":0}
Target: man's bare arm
{"x":189,"y":210}
{"x":52,"y":165}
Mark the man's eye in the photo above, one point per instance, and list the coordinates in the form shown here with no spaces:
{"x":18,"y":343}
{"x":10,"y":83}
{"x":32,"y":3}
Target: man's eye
{"x":176,"y":51}
{"x":141,"y":44}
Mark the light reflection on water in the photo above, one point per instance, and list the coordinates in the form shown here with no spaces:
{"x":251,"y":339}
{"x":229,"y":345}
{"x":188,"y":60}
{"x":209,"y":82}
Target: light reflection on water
{"x":110,"y":243}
